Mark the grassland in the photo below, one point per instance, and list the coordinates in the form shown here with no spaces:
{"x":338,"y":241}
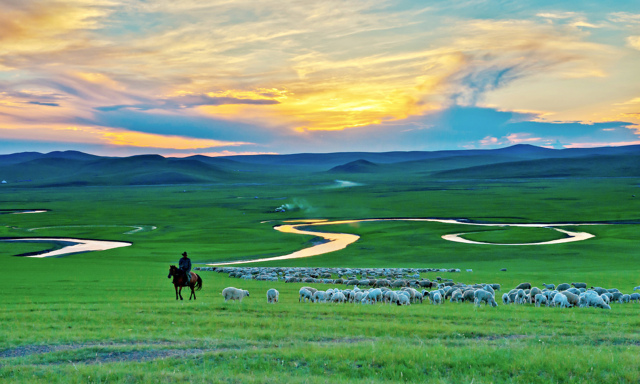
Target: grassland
{"x":111,"y":316}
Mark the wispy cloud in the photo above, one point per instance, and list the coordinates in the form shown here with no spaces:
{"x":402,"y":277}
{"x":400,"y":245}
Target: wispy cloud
{"x":290,"y":74}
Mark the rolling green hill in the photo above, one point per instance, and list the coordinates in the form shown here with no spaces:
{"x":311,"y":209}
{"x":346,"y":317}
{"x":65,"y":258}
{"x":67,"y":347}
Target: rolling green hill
{"x":520,"y":161}
{"x":134,"y":170}
{"x":589,"y":166}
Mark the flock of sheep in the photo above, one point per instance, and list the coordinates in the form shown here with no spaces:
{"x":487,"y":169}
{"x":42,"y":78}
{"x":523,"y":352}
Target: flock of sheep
{"x":564,"y":295}
{"x":376,"y":277}
{"x":403,"y":286}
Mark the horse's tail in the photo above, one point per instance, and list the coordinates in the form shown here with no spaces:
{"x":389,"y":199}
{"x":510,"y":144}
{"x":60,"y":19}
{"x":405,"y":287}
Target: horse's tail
{"x":198,"y":285}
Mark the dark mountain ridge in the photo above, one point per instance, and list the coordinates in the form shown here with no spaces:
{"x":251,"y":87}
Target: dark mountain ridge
{"x":518,"y":161}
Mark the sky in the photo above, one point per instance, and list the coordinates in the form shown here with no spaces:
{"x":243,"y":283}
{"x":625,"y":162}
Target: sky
{"x":226,"y":77}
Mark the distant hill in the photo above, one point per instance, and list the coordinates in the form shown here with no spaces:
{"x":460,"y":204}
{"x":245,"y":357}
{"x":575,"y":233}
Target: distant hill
{"x":134,"y":170}
{"x":622,"y":165}
{"x":519,"y":161}
{"x":358,"y":166}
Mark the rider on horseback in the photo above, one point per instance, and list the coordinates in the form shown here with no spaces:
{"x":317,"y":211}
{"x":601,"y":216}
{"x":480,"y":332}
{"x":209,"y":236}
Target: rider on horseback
{"x":185,"y":266}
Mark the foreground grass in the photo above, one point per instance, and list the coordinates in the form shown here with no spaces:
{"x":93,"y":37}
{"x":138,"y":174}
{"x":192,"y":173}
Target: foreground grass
{"x":111,"y":316}
{"x":150,"y":337}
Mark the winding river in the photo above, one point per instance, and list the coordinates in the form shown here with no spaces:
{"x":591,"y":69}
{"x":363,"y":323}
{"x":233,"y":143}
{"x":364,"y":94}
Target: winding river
{"x":333,"y":241}
{"x":71,"y":245}
{"x":338,"y":241}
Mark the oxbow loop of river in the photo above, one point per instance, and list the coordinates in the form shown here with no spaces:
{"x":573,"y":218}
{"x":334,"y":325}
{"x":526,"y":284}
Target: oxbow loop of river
{"x":338,"y":241}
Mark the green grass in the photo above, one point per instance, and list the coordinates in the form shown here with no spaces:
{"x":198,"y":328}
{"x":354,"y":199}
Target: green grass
{"x":515,"y":235}
{"x":112,"y":316}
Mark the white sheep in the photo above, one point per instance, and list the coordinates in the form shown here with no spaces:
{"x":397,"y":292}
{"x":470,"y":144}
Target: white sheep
{"x":489,"y":289}
{"x":634,"y":297}
{"x":560,"y":300}
{"x":484,"y":296}
{"x":272,"y":295}
{"x":319,"y":296}
{"x":636,"y":288}
{"x":506,"y":299}
{"x":456,"y":296}
{"x":541,"y":299}
{"x":375,"y":295}
{"x":305,"y":295}
{"x":435,"y":297}
{"x":231,"y":293}
{"x":403,"y":300}
{"x":393,"y":297}
{"x":338,"y":297}
{"x":550,"y":287}
{"x":520,"y":297}
{"x":597,"y":302}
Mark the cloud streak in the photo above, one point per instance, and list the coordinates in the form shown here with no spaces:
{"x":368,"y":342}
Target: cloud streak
{"x":282,"y":76}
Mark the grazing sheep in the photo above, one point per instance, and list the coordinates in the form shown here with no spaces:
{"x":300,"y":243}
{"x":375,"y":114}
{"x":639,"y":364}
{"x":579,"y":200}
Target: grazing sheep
{"x":520,"y":297}
{"x":572,"y":298}
{"x":636,"y":288}
{"x":533,"y":294}
{"x":560,"y":300}
{"x":575,"y":291}
{"x":616,"y":296}
{"x":484,"y":296}
{"x":624,"y":299}
{"x":338,"y":298}
{"x":468,"y":295}
{"x":600,"y":290}
{"x":375,"y":295}
{"x":489,"y":289}
{"x":563,"y":287}
{"x":541,"y":299}
{"x":597,"y":302}
{"x":319,"y":296}
{"x":634,"y":297}
{"x":231,"y":293}
{"x":403,"y":300}
{"x":305,"y":295}
{"x":506,"y":299}
{"x":399,"y":284}
{"x":496,"y":287}
{"x":550,"y":287}
{"x":390,"y":297}
{"x":524,"y":286}
{"x":312,"y":290}
{"x":272,"y":295}
{"x":456,"y":296}
{"x":579,"y":285}
{"x":435,"y":297}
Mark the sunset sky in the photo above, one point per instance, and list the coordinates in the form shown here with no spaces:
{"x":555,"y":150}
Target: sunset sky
{"x":184,"y":77}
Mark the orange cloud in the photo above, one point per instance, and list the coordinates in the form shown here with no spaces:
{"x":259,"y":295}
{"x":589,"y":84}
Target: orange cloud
{"x":43,"y":26}
{"x":110,"y":136}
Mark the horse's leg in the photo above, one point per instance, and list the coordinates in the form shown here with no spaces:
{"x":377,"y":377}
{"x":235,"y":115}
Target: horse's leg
{"x":176,"y":287}
{"x":193,"y":293}
{"x":180,"y":293}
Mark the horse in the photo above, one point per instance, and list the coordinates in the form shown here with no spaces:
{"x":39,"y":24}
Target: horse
{"x":195,"y":283}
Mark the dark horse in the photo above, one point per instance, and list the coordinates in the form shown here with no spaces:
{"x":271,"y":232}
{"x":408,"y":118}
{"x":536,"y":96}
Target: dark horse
{"x":195,"y":283}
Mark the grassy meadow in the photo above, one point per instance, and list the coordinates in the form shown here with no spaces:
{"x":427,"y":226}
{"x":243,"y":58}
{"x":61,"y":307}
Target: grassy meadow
{"x":111,"y":316}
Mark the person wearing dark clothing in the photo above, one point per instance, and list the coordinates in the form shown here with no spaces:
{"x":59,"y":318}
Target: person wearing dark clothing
{"x":185,"y":266}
